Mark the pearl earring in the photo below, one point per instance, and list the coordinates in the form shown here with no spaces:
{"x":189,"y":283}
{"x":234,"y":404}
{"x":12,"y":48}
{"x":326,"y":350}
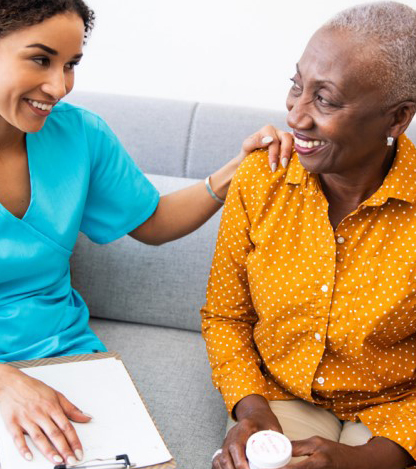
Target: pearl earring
{"x":390,"y":141}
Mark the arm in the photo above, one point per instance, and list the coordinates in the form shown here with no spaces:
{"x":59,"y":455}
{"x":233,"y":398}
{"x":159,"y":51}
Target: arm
{"x":182,"y":212}
{"x":30,"y":406}
{"x":393,"y":445}
{"x":228,"y":319}
{"x":378,"y":453}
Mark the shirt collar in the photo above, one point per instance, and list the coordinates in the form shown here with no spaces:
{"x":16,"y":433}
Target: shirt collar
{"x":297,"y":174}
{"x":400,"y":182}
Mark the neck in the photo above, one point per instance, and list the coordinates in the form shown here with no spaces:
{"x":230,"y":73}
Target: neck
{"x":356,"y":187}
{"x":10,"y":136}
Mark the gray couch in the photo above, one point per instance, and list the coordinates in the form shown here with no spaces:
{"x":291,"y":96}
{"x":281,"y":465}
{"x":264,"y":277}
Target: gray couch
{"x":145,"y":300}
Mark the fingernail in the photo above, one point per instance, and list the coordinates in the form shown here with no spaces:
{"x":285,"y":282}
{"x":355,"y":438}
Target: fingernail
{"x":71,"y":460}
{"x":274,"y":167}
{"x":267,"y":139}
{"x":79,"y":454}
{"x":285,"y":162}
{"x":28,"y":456}
{"x":88,"y":415}
{"x":57,"y":458}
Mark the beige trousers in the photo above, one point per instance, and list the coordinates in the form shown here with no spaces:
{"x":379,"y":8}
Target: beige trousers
{"x":300,"y":420}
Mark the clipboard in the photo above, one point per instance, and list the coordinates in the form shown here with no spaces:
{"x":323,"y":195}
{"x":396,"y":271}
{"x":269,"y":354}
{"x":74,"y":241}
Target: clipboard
{"x":171,"y":464}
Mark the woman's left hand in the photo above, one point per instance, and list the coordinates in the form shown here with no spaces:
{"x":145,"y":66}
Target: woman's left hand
{"x":324,"y":454}
{"x":276,"y":141}
{"x":378,"y":453}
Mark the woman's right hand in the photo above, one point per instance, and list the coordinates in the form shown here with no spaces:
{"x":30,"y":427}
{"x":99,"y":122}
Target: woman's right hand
{"x":278,"y":143}
{"x":253,"y":414}
{"x":29,"y":406}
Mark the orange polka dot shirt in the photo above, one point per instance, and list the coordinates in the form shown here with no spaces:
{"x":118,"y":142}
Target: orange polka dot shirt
{"x":295,"y":309}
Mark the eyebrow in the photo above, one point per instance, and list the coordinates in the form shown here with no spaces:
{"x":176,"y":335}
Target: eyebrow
{"x":49,"y":50}
{"x":318,"y":82}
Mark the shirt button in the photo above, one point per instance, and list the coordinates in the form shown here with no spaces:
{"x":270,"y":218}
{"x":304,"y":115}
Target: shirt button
{"x":324,"y":288}
{"x":340,"y":240}
{"x":317,"y":336}
{"x":321,"y":380}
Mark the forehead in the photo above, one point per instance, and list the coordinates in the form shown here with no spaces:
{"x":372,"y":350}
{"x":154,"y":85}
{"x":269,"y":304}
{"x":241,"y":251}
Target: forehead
{"x":61,"y":32}
{"x":337,"y":57}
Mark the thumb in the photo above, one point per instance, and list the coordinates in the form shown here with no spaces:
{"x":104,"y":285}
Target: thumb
{"x":303,"y":447}
{"x":72,"y":411}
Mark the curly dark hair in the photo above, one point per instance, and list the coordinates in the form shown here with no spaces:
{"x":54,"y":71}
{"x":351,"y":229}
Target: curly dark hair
{"x":18,"y":14}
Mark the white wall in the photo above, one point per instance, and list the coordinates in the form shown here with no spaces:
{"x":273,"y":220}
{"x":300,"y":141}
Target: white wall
{"x":240,"y":52}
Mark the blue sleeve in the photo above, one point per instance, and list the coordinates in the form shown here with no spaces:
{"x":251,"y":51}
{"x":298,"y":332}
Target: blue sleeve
{"x":120,"y":197}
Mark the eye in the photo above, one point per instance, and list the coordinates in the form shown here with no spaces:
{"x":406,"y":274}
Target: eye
{"x":323,"y":101}
{"x":42,"y":61}
{"x":295,"y":87}
{"x":72,"y":65}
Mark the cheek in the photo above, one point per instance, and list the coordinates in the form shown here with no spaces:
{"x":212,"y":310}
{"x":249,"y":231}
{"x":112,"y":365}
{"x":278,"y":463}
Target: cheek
{"x":69,"y":82}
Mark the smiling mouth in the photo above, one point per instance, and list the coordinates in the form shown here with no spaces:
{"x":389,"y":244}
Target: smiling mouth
{"x":305,"y":146}
{"x":309,"y":143}
{"x":39,"y":105}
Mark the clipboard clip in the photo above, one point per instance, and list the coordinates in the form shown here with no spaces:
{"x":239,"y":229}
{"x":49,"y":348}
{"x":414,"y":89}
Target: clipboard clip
{"x":121,"y":461}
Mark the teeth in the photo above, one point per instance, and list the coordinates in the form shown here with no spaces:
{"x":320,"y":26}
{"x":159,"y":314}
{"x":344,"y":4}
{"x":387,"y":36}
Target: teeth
{"x":309,"y":143}
{"x":43,"y":107}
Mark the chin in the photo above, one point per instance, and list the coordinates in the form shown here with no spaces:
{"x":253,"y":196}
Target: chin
{"x":31,"y":127}
{"x":315,"y":167}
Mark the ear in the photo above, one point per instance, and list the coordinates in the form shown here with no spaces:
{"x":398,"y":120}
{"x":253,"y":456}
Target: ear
{"x":401,"y":117}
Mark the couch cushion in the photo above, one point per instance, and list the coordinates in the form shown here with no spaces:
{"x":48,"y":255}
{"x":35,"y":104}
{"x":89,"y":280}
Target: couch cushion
{"x":155,"y":132}
{"x":157,"y":285}
{"x":172,"y":372}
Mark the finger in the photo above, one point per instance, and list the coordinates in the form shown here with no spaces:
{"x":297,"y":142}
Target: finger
{"x":43,"y":444}
{"x":307,"y":463}
{"x":72,"y":411}
{"x":274,"y":155}
{"x":286,"y":139}
{"x":225,"y":460}
{"x":304,"y":447}
{"x":70,"y":434}
{"x":58,"y":440}
{"x":260,"y":139}
{"x":239,"y":456}
{"x":20,"y":442}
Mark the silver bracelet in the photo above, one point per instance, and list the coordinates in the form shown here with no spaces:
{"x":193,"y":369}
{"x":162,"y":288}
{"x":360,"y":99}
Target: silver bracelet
{"x":211,"y":192}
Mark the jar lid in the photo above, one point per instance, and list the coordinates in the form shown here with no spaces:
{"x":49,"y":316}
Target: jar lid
{"x":268,"y":449}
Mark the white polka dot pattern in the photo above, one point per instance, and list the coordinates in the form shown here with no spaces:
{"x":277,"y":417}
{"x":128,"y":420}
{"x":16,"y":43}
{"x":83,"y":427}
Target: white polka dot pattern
{"x":294,"y":309}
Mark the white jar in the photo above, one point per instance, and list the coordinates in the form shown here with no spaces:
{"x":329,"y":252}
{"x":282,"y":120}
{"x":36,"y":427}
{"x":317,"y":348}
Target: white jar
{"x":268,"y":450}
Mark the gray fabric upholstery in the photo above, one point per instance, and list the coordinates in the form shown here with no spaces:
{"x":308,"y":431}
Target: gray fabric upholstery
{"x":163,"y":286}
{"x":172,"y":372}
{"x":148,"y":298}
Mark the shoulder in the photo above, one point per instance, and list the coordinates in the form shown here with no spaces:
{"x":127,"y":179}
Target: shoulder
{"x":66,"y":113}
{"x":254,"y":174}
{"x":68,"y":120}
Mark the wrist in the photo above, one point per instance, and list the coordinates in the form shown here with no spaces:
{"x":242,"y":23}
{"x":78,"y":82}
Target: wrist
{"x":252,"y":405}
{"x":382,"y":453}
{"x":221,"y":179}
{"x":5,"y":371}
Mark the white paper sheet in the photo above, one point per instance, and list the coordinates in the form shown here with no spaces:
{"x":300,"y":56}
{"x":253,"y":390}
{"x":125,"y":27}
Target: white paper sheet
{"x":120,"y":425}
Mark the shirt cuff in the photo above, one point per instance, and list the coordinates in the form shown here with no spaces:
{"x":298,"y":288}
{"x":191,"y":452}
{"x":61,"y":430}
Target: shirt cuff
{"x":395,"y":421}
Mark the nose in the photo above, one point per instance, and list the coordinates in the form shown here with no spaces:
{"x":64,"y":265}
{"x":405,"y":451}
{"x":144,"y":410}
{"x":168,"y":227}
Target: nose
{"x":57,"y":85}
{"x":300,"y":114}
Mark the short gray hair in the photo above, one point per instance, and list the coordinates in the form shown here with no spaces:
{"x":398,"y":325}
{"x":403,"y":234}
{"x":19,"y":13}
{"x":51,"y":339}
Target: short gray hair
{"x":389,"y":29}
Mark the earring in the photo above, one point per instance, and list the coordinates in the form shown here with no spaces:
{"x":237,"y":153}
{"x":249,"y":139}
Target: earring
{"x":390,"y":141}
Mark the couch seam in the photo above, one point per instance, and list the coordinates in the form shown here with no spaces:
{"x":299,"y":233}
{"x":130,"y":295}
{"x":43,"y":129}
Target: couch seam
{"x":185,"y":168}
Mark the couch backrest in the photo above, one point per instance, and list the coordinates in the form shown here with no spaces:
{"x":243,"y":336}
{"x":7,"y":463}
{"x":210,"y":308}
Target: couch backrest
{"x":174,"y":141}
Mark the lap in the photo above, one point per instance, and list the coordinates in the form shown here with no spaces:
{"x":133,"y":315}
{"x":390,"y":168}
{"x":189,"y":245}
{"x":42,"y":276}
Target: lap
{"x":300,"y":420}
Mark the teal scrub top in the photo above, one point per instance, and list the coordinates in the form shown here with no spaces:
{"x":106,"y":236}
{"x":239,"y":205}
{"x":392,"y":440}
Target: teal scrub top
{"x":81,"y":179}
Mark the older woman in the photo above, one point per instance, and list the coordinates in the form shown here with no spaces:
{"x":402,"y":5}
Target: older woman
{"x":310,"y":316}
